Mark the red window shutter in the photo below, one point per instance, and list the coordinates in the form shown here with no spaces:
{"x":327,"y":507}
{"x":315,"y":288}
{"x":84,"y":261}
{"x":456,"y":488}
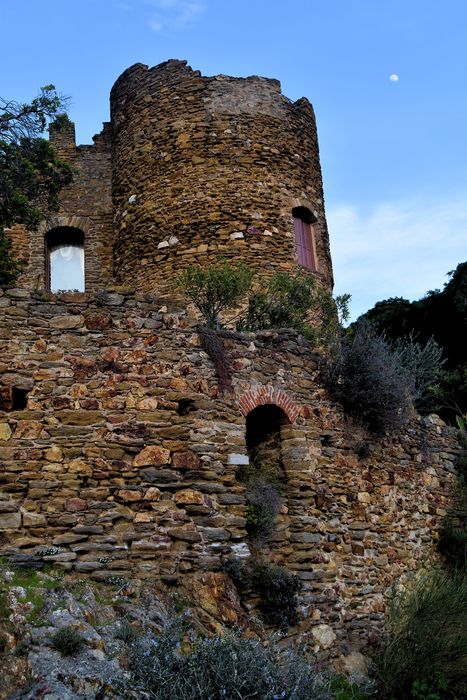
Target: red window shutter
{"x":304,"y":244}
{"x":299,"y":243}
{"x":308,"y":247}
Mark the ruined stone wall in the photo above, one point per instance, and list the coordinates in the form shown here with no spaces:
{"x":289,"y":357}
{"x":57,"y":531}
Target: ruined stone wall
{"x":210,"y":167}
{"x":85,"y":204}
{"x":126,"y":458}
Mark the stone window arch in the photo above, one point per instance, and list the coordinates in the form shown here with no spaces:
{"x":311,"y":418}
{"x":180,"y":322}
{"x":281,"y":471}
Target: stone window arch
{"x":303,"y":220}
{"x":64,"y":259}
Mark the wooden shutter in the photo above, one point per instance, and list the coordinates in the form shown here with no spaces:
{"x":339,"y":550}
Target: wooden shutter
{"x":298,"y":228}
{"x":304,"y":244}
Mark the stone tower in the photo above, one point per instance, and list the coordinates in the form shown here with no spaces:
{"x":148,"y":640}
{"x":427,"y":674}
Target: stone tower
{"x":204,"y":168}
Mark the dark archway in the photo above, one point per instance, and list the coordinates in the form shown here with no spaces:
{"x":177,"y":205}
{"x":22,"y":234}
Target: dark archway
{"x":263,"y":434}
{"x":64,"y":256}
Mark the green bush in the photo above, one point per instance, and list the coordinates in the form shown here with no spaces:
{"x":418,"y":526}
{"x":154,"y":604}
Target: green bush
{"x":221,"y":668}
{"x":370,"y":382}
{"x":276,"y":587}
{"x":67,"y":641}
{"x":216,"y":288}
{"x":126,"y":632}
{"x":426,"y":644}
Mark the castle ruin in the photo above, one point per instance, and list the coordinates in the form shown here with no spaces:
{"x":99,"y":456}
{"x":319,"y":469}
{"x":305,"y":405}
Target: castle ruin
{"x":120,"y":453}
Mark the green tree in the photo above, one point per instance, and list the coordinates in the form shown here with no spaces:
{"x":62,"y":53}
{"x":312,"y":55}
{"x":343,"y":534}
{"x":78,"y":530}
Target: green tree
{"x":216,"y":288}
{"x":31,"y":175}
{"x":439,"y":317}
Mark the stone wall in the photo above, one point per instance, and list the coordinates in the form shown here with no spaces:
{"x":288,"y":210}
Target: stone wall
{"x":125,"y":458}
{"x":85,"y":204}
{"x":209,"y":167}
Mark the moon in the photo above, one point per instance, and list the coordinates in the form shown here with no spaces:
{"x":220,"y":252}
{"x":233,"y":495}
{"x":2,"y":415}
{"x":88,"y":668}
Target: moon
{"x":393,"y":77}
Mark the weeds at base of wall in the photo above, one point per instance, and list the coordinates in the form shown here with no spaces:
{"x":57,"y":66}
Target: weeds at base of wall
{"x":425,"y":651}
{"x":276,"y":587}
{"x":174,"y":665}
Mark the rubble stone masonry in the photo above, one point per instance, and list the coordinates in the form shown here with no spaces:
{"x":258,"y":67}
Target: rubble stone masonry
{"x":123,"y":458}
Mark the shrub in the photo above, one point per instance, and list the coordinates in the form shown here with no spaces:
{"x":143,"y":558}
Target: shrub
{"x":369,"y":380}
{"x":426,"y":645}
{"x":67,"y":641}
{"x":276,"y":587}
{"x":221,"y":668}
{"x":363,"y":450}
{"x":423,"y":364}
{"x":264,"y":502}
{"x":215,"y":288}
{"x":281,"y":302}
{"x":126,"y":632}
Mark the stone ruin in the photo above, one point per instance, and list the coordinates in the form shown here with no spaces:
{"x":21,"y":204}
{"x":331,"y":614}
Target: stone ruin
{"x":120,"y":454}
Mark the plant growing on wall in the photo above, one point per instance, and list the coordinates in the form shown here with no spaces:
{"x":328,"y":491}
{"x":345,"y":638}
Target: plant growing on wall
{"x":289,"y":301}
{"x":31,"y":175}
{"x":277,"y":588}
{"x":215,"y":289}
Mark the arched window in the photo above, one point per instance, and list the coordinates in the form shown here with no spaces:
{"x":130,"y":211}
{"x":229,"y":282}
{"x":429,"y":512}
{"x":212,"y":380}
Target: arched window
{"x":65,"y":259}
{"x":304,"y":243}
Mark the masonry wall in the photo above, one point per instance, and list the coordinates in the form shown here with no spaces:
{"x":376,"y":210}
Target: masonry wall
{"x":125,"y":460}
{"x":85,"y":204}
{"x":210,"y":167}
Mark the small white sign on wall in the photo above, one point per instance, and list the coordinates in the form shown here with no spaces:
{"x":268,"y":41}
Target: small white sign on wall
{"x":238,"y":459}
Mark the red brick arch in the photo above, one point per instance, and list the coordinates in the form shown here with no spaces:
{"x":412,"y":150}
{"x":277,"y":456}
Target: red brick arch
{"x":266,"y":394}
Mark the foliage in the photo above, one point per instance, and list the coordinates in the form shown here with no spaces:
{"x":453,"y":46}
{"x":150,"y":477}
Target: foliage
{"x":264,"y":502}
{"x":126,"y":632}
{"x":276,"y":587}
{"x":31,"y":175}
{"x":10,"y":267}
{"x":363,"y":450}
{"x":281,"y":301}
{"x":212,"y":344}
{"x":369,"y":380}
{"x":343,"y":689}
{"x":288,"y":300}
{"x":67,"y":641}
{"x":426,"y":645}
{"x":441,"y":315}
{"x":216,"y":288}
{"x":423,"y":363}
{"x":227,"y":666}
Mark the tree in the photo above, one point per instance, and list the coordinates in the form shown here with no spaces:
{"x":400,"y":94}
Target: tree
{"x":439,"y":317}
{"x":31,"y":175}
{"x":216,"y":288}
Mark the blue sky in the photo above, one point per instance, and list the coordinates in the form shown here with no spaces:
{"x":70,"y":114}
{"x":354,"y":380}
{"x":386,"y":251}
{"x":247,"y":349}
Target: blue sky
{"x":393,"y":153}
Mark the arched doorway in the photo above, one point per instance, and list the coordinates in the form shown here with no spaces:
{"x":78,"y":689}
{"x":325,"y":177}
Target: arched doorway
{"x":64,"y":259}
{"x":265,"y":476}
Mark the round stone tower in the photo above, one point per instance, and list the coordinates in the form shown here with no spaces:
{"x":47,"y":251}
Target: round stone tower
{"x":213,"y":167}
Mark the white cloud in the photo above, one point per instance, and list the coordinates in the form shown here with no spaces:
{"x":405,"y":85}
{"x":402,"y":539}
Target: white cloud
{"x":396,"y":249}
{"x":173,"y":14}
{"x":394,"y":77}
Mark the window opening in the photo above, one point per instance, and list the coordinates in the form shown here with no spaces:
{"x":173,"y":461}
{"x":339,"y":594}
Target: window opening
{"x":65,"y":259}
{"x":304,"y":243}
